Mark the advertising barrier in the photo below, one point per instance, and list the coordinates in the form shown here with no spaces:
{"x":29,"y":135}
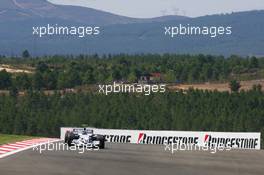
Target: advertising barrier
{"x":237,"y":140}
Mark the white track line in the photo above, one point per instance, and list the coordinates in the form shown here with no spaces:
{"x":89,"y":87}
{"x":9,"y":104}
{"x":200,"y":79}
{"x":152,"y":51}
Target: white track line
{"x":17,"y":145}
{"x":22,"y":144}
{"x":12,"y":147}
{"x":2,"y":152}
{"x":6,"y":149}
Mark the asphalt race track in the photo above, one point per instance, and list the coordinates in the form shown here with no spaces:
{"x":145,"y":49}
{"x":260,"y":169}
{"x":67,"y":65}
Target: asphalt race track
{"x":128,"y":159}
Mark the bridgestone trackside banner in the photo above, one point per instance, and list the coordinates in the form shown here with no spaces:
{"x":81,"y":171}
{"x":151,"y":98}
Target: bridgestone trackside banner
{"x":238,"y":140}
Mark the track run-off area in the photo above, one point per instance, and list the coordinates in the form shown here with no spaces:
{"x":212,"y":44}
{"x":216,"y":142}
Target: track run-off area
{"x":131,"y":159}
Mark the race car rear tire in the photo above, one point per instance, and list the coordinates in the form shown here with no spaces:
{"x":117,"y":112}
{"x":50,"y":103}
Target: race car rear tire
{"x":102,"y":144}
{"x":70,"y":138}
{"x":67,"y":135}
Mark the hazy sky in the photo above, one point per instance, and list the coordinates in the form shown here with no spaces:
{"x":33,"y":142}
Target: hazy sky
{"x":153,"y":8}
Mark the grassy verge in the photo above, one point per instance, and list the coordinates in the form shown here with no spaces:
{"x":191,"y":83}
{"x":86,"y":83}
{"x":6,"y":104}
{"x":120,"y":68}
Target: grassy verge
{"x":4,"y":139}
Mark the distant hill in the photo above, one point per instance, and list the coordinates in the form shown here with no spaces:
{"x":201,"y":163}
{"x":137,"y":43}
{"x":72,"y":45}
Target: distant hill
{"x":17,"y":10}
{"x":122,"y":34}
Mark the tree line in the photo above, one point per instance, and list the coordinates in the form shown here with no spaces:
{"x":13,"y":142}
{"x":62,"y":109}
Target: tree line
{"x":60,"y":72}
{"x":194,"y":110}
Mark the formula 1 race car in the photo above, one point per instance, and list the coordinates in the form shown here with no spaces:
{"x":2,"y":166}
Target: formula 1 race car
{"x":84,"y":137}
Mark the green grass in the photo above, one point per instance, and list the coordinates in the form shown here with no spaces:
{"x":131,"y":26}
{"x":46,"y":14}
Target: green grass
{"x":4,"y":139}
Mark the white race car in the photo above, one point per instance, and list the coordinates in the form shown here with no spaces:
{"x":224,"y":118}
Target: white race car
{"x":84,"y":137}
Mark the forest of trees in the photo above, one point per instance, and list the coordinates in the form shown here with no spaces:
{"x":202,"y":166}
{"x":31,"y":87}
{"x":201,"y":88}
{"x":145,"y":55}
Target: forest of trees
{"x":35,"y":113}
{"x":39,"y":114}
{"x":60,"y":72}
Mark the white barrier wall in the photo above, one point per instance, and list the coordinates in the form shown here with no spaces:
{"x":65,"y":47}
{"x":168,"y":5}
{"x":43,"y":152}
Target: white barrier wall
{"x":237,"y":140}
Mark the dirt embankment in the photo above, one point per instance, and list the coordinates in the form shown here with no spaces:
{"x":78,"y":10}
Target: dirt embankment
{"x":11,"y":69}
